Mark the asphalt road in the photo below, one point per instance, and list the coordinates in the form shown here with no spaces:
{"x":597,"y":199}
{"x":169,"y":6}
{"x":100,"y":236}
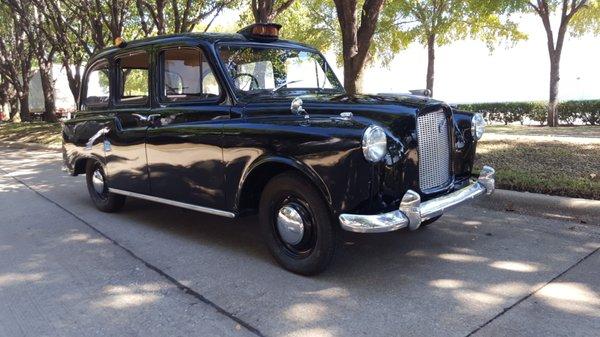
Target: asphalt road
{"x":153,"y":270}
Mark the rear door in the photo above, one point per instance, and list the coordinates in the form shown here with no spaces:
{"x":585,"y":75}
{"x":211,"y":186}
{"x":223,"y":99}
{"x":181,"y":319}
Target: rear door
{"x":126,"y":148}
{"x":184,"y":145}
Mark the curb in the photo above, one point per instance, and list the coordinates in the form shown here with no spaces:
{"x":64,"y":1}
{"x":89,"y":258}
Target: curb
{"x":32,"y":146}
{"x":541,"y":204}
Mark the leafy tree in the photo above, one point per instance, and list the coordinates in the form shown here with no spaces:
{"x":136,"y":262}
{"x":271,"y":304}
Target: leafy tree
{"x":16,"y":56}
{"x":163,"y":16}
{"x":33,"y":23}
{"x":435,"y":23}
{"x":265,"y":11}
{"x":357,"y":37}
{"x":64,"y":29}
{"x":313,"y":22}
{"x":583,"y":15}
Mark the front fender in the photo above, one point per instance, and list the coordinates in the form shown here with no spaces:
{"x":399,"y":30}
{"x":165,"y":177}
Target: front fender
{"x":257,"y":166}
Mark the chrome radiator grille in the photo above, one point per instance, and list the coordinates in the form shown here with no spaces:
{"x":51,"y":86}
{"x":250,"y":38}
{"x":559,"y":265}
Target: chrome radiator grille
{"x":434,"y":150}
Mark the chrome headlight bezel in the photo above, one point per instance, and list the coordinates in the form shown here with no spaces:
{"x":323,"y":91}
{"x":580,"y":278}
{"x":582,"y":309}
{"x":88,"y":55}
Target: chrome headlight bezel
{"x":374,"y":143}
{"x":477,"y":126}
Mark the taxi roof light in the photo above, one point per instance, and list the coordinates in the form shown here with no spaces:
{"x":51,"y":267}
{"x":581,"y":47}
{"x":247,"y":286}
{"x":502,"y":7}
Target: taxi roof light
{"x":120,"y":42}
{"x":265,"y":31}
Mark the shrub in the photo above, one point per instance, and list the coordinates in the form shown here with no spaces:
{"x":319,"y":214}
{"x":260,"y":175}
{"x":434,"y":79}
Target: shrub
{"x":587,"y":111}
{"x":509,"y":112}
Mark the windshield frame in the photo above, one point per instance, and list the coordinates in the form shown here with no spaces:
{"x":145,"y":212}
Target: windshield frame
{"x":263,"y":94}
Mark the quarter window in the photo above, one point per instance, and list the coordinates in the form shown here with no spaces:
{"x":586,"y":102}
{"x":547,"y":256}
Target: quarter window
{"x":98,"y":86}
{"x":187,"y":76}
{"x":132,"y":70}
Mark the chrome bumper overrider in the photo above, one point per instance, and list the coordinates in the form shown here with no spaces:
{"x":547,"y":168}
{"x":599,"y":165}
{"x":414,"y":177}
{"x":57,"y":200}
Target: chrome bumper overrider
{"x":412,"y":212}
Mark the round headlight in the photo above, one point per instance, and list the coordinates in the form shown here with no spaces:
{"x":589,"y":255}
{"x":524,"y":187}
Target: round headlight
{"x":477,"y":126}
{"x":374,"y":143}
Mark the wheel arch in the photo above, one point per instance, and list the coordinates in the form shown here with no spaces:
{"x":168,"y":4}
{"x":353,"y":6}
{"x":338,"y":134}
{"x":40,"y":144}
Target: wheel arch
{"x":258,"y":174}
{"x":80,"y":163}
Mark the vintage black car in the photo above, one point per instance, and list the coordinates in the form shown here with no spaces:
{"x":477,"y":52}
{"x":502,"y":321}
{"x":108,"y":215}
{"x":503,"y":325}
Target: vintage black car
{"x":246,"y":123}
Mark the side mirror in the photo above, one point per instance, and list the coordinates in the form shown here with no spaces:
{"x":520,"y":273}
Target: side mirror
{"x":422,"y":92}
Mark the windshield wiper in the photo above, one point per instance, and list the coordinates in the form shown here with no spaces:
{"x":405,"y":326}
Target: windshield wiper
{"x":285,"y":84}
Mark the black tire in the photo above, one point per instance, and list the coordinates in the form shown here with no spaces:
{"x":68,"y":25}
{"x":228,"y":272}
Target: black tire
{"x":104,"y":200}
{"x":317,"y":243}
{"x":430,"y":221}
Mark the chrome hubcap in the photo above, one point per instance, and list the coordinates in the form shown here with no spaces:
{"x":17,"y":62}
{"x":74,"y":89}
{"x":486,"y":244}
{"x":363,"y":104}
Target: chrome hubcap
{"x":290,"y":225}
{"x":98,"y":181}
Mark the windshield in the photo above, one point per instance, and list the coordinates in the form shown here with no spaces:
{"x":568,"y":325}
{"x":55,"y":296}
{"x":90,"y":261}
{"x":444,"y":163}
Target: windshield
{"x":277,"y":71}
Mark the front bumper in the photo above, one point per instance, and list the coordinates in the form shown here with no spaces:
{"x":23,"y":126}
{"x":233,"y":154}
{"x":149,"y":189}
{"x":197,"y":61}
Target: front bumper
{"x":412,"y":212}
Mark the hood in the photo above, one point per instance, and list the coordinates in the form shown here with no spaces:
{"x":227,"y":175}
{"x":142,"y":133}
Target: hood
{"x":407,"y":100}
{"x":395,"y":111}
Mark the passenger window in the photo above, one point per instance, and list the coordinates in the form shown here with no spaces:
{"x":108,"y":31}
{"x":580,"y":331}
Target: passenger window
{"x":98,"y":86}
{"x":187,"y":76}
{"x":133,"y":78}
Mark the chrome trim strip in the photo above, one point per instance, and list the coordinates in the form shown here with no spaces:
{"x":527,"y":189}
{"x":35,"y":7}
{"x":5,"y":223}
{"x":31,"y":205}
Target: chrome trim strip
{"x":196,"y":208}
{"x":412,"y":212}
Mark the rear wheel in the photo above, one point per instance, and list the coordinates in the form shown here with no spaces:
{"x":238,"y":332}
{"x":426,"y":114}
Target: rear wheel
{"x":98,"y":189}
{"x":296,"y":224}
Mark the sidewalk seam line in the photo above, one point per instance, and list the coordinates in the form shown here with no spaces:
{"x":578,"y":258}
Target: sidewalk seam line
{"x":179,"y":285}
{"x":521,"y":300}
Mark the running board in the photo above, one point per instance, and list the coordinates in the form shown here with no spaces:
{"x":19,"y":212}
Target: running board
{"x":196,"y":208}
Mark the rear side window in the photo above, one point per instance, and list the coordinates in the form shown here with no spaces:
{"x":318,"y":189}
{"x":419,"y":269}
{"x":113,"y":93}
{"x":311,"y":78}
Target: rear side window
{"x":187,"y":76}
{"x":132,"y":70}
{"x":98,"y":86}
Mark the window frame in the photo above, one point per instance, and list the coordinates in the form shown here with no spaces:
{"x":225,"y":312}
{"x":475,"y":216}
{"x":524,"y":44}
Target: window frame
{"x":118,"y":102}
{"x":160,"y":66}
{"x":84,"y":96}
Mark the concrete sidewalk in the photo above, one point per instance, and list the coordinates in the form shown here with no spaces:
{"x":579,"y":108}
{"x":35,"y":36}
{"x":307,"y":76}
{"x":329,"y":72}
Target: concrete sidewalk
{"x":58,"y":277}
{"x":160,"y":271}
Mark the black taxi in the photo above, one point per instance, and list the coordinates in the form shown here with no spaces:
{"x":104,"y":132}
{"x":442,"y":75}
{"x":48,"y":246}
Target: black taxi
{"x":247,"y":123}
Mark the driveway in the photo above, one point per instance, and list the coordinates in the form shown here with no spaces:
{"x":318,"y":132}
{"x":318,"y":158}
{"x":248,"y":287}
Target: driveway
{"x":67,"y":269}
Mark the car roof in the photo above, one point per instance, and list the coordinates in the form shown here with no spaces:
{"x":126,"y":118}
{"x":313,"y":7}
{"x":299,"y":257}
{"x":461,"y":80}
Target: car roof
{"x":210,"y":38}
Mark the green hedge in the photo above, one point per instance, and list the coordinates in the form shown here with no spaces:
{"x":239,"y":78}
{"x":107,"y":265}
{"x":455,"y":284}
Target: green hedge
{"x":510,"y":112}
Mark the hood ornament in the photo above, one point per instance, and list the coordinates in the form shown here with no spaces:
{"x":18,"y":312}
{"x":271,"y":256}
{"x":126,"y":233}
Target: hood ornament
{"x":297,"y":108}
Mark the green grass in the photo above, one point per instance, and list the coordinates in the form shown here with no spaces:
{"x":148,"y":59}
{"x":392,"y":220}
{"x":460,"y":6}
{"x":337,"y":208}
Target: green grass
{"x":557,"y":168}
{"x":38,"y":132}
{"x":580,"y":131}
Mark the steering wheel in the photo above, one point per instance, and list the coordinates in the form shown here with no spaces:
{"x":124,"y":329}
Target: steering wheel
{"x":253,"y":80}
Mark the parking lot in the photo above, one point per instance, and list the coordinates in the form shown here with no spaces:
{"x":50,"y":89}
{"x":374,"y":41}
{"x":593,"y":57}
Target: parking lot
{"x":67,"y":269}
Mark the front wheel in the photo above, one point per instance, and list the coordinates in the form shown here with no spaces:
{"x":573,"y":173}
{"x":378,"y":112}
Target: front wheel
{"x":296,"y":224}
{"x":98,"y":189}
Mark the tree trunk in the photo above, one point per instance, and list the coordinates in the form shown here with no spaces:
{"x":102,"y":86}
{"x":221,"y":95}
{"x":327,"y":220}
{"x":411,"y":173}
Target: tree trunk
{"x":24,"y":113}
{"x":430,"y":62}
{"x":554,"y":82}
{"x":13,"y":101}
{"x":48,"y":91}
{"x":3,"y":99}
{"x":356,"y":38}
{"x":74,"y":79}
{"x":351,"y":76}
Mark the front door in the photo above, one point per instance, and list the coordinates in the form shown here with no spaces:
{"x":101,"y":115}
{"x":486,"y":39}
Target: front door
{"x":184,"y":145}
{"x":125,"y":146}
